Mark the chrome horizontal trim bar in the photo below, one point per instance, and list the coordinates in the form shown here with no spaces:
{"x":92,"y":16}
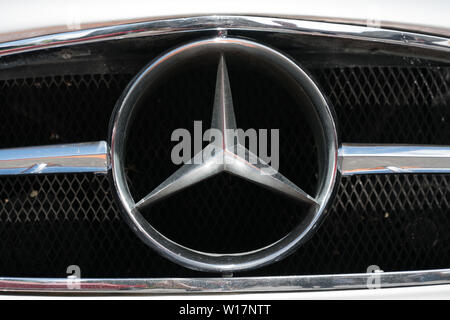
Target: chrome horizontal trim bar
{"x":353,"y":159}
{"x":62,"y":158}
{"x":226,"y":285}
{"x":389,"y":158}
{"x":226,"y":22}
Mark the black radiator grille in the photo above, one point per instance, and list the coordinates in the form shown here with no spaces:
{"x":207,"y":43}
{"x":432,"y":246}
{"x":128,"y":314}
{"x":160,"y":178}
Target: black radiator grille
{"x":390,"y":104}
{"x":57,"y":109}
{"x":399,"y":222}
{"x":373,"y":105}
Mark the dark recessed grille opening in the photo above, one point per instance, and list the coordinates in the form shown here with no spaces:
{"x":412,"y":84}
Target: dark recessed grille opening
{"x":398,"y":222}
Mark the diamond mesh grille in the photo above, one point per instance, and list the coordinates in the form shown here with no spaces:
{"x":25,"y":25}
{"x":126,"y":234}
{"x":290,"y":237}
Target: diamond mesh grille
{"x":399,"y":222}
{"x":390,"y":104}
{"x":57,"y":109}
{"x":373,"y":105}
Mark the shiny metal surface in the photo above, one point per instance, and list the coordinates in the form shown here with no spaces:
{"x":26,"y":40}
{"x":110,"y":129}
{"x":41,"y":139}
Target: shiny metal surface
{"x":226,"y":155}
{"x":353,"y":159}
{"x":226,"y":22}
{"x":225,"y":285}
{"x":63,"y":158}
{"x":370,"y":159}
{"x":326,"y":140}
{"x":430,"y":16}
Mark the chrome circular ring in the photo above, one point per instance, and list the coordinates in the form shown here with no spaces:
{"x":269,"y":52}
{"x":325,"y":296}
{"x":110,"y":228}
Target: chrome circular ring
{"x":325,"y":135}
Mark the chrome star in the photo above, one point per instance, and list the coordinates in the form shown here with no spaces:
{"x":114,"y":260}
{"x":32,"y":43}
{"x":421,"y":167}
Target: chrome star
{"x":227,"y":155}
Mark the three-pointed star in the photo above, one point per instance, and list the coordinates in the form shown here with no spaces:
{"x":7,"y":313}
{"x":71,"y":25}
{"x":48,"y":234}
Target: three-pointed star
{"x":227,"y":155}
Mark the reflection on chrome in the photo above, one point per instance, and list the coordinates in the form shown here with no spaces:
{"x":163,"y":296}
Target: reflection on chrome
{"x":227,"y":284}
{"x":62,"y":158}
{"x":378,"y":158}
{"x":224,"y":22}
